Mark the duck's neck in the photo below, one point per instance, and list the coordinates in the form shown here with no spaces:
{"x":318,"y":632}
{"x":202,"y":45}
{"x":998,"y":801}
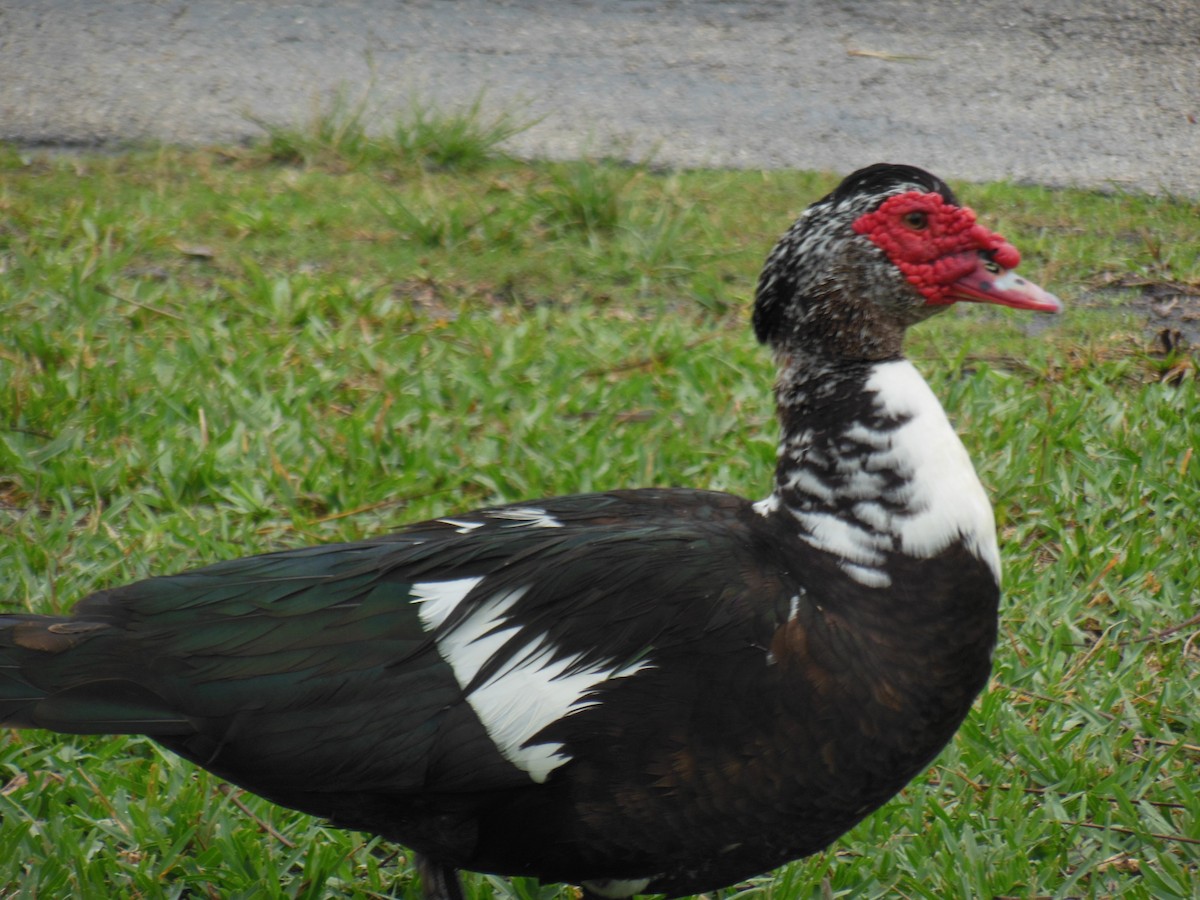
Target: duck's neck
{"x":869,"y":467}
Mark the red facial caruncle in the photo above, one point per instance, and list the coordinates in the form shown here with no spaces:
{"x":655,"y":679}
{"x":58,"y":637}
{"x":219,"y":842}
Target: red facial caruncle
{"x":948,"y":256}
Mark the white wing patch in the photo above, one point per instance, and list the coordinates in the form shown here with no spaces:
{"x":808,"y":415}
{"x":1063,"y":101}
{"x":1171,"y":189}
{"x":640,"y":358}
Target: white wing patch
{"x":529,"y":516}
{"x":439,"y":598}
{"x":534,"y":688}
{"x":516,"y":516}
{"x":461,"y":525}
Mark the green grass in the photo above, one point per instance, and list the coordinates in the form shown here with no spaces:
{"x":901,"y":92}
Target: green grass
{"x":213,"y":353}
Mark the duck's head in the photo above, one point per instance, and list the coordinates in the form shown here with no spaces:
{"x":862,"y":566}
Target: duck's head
{"x":890,"y":246}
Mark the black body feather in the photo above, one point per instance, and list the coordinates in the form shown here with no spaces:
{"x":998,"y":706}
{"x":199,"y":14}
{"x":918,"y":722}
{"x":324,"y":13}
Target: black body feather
{"x":306,"y":677}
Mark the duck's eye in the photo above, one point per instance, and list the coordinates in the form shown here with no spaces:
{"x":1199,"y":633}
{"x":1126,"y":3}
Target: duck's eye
{"x":916,"y":220}
{"x":988,"y":260}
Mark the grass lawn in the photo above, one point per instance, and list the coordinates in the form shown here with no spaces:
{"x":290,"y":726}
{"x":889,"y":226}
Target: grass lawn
{"x":211,"y":353}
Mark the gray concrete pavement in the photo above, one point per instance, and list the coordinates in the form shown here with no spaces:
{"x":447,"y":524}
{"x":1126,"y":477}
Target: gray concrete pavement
{"x":1097,"y":94}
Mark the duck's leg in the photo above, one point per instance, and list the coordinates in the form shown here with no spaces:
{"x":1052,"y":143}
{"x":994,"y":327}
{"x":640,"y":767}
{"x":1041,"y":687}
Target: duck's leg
{"x":438,"y":882}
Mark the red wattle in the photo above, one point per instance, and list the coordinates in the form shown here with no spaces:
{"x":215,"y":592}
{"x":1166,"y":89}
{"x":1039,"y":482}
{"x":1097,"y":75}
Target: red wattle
{"x":931,"y":255}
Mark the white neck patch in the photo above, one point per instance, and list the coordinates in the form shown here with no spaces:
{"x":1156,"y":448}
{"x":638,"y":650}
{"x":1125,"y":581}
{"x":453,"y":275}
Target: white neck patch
{"x":941,"y":501}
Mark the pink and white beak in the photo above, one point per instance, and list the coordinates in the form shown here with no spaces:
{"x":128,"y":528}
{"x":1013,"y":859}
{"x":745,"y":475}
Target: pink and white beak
{"x":987,"y":282}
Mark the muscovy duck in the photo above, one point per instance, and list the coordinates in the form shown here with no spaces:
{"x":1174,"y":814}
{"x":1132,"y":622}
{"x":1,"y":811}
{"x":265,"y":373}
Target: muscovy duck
{"x":642,"y":691}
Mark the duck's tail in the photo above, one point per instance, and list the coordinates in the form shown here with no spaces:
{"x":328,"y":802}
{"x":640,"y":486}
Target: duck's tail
{"x":69,"y":675}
